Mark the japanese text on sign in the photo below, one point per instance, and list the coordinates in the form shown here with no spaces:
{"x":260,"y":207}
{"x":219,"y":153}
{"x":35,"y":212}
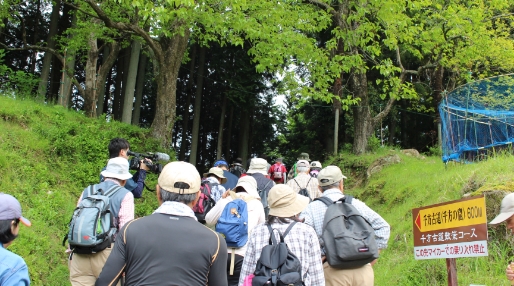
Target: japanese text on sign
{"x":462,"y":213}
{"x":465,"y":249}
{"x":447,"y":236}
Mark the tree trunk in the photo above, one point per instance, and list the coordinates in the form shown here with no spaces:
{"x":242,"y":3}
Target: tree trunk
{"x":404,"y":125}
{"x":33,"y":55}
{"x":130,"y":83}
{"x":336,"y":90}
{"x":392,"y":129}
{"x":244,"y":135}
{"x":110,"y":54}
{"x":100,"y":88}
{"x":185,"y":114}
{"x":228,"y":139}
{"x":50,"y":43}
{"x":361,"y":114}
{"x":438,"y":93}
{"x":90,"y":82}
{"x":118,"y":86}
{"x":219,"y":149}
{"x":65,"y":91}
{"x":140,"y":84}
{"x":197,"y":107}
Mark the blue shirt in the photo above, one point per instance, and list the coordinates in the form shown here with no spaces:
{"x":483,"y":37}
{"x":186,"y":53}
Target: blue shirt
{"x":13,"y":269}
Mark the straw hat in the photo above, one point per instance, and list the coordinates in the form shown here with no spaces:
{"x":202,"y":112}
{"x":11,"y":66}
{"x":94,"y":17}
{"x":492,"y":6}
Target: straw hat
{"x":285,"y":202}
{"x":218,"y":172}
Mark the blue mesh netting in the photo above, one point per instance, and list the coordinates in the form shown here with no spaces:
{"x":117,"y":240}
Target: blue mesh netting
{"x":476,"y":117}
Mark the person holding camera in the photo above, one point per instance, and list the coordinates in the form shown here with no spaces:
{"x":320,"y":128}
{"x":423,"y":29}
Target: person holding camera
{"x":119,"y":147}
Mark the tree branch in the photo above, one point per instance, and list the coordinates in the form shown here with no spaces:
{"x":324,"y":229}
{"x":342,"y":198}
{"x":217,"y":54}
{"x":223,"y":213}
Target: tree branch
{"x":80,"y":10}
{"x":379,"y":117}
{"x":154,"y":45}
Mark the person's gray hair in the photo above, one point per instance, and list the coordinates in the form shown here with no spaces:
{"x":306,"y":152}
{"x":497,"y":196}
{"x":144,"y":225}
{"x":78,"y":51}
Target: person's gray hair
{"x":174,"y":197}
{"x":334,"y":185}
{"x":302,"y":169}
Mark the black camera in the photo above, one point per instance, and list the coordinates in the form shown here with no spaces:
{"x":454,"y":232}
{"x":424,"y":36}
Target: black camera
{"x":135,"y":161}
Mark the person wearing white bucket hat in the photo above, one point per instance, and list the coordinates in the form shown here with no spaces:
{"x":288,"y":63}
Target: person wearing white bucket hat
{"x":506,"y":215}
{"x":85,"y":268}
{"x":245,"y":189}
{"x":301,"y":239}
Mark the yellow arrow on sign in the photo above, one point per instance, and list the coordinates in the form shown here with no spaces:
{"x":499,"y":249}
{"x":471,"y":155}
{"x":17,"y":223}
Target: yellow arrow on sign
{"x":458,"y":214}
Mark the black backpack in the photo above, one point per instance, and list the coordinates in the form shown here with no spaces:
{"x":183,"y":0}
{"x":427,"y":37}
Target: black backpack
{"x":278,"y":266}
{"x":348,"y":237}
{"x":303,"y":191}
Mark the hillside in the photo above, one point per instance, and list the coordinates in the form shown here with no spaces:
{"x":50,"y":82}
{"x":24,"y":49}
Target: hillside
{"x":49,"y":154}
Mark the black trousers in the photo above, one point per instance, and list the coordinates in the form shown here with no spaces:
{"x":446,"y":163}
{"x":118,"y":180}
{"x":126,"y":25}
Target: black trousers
{"x":233,"y":280}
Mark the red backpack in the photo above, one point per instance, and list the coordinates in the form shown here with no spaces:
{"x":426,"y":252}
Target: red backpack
{"x":277,"y":171}
{"x":205,"y":203}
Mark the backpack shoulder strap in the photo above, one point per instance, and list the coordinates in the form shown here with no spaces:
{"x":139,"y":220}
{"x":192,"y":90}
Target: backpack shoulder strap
{"x":265,"y":186}
{"x":325,"y":200}
{"x":297,"y":183}
{"x":289,"y":228}
{"x":308,"y":182}
{"x":272,"y":239}
{"x":112,"y":190}
{"x":347,"y":199}
{"x":91,"y":190}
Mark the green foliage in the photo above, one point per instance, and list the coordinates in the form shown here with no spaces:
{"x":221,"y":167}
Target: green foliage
{"x":48,"y":155}
{"x":15,"y":83}
{"x":373,"y":143}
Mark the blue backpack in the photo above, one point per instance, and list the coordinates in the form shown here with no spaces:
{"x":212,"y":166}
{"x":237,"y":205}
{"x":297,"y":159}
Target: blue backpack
{"x":233,"y":222}
{"x":233,"y":225}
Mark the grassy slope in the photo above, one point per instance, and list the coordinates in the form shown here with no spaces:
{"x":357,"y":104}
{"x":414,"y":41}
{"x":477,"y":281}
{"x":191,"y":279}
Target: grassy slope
{"x":414,"y":183}
{"x":48,"y":155}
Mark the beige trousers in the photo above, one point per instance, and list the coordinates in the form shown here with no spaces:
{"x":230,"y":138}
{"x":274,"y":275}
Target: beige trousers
{"x":362,"y":276}
{"x":85,"y":268}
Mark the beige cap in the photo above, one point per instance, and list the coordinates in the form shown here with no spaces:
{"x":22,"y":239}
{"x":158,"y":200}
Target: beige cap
{"x":249,"y":184}
{"x":258,"y":165}
{"x":179,"y":177}
{"x":117,"y":168}
{"x":302,"y":163}
{"x":506,"y":209}
{"x":218,"y":172}
{"x":285,"y":202}
{"x":330,"y":175}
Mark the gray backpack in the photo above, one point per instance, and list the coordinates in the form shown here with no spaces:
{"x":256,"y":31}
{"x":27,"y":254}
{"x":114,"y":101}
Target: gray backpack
{"x":264,"y":197}
{"x":91,"y":227}
{"x":349,"y":238}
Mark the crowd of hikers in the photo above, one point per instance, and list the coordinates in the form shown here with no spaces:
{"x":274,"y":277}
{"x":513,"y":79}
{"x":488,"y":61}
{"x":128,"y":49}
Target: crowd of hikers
{"x":231,"y":226}
{"x":228,"y":226}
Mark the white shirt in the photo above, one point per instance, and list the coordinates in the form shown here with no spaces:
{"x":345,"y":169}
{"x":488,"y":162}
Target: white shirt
{"x":255,"y":216}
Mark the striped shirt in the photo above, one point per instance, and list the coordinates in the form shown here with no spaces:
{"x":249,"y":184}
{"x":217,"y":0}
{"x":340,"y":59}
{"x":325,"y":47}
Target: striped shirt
{"x":304,"y":180}
{"x":302,"y":242}
{"x":314,"y":215}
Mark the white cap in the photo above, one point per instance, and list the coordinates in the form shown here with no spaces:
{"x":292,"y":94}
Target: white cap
{"x":506,"y":210}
